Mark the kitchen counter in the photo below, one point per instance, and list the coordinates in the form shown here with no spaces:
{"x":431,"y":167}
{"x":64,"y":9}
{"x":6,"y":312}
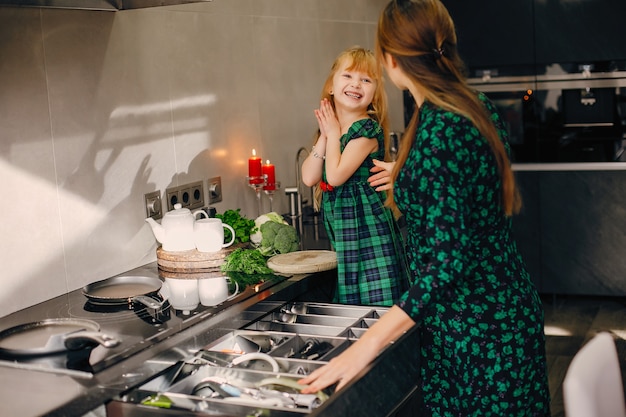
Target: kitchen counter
{"x":75,"y":392}
{"x":570,"y":228}
{"x":41,"y":387}
{"x":571,"y":166}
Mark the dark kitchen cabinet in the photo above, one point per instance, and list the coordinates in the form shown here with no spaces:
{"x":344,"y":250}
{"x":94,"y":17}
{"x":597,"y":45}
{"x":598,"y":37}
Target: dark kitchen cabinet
{"x":512,"y":37}
{"x":495,"y":35}
{"x":572,"y":230}
{"x":527,"y":225}
{"x":555,"y":68}
{"x":579,"y":31}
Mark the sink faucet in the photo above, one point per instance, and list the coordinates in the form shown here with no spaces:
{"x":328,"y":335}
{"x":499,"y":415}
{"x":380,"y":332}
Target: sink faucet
{"x":295,"y":194}
{"x":298,"y":174}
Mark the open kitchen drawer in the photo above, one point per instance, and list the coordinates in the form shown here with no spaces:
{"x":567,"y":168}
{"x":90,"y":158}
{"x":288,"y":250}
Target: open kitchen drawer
{"x":253,"y":371}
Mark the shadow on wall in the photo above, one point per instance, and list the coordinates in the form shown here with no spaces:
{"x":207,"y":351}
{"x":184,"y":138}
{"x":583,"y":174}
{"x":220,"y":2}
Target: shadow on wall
{"x":102,"y":153}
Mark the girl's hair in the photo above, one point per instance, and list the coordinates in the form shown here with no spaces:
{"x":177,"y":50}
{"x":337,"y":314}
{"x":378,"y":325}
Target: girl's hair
{"x":362,"y":60}
{"x":420,"y":35}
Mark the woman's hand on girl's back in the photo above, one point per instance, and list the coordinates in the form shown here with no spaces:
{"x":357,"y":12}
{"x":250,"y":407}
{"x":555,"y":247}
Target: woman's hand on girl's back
{"x":381,"y":175}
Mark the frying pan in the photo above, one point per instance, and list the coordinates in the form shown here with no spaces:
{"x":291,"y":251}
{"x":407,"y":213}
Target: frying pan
{"x":53,"y":336}
{"x":125,"y":289}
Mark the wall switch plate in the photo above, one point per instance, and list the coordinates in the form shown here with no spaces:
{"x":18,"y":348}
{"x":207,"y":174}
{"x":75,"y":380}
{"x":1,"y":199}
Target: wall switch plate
{"x":152,"y":202}
{"x":215,"y":190}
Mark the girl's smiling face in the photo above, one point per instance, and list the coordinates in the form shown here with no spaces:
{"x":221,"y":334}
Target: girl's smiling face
{"x":352,"y":89}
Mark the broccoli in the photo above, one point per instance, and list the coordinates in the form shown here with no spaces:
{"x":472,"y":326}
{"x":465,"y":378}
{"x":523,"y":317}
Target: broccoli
{"x":269,"y":230}
{"x":278,"y":238}
{"x":256,"y":236}
{"x":286,"y":240}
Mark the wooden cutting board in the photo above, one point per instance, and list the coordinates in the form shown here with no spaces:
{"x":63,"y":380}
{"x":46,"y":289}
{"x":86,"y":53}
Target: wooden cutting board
{"x":303,"y":262}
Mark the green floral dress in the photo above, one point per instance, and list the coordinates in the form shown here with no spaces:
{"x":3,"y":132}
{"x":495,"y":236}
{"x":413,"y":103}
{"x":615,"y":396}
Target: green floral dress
{"x":370,"y":254}
{"x":483,"y":343}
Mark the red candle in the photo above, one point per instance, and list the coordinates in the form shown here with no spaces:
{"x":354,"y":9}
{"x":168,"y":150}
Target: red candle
{"x":254,"y":169}
{"x":270,"y":172}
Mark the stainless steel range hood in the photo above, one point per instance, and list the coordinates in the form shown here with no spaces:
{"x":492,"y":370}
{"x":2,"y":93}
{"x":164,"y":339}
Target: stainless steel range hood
{"x":108,"y":5}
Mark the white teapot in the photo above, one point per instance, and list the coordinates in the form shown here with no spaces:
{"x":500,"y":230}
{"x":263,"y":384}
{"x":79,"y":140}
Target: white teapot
{"x":176,"y":232}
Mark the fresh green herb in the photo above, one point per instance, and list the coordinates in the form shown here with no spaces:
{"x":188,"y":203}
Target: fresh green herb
{"x":248,"y":261}
{"x":241,"y":224}
{"x":245,"y":280}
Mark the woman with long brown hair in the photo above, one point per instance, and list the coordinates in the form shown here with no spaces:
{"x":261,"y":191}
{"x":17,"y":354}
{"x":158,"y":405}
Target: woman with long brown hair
{"x":480,"y":318}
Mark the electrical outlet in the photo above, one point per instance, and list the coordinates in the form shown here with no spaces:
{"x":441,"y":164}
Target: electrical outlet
{"x":215,"y":190}
{"x":152,"y":202}
{"x":184,"y":195}
{"x":172,"y":196}
{"x":196,"y":195}
{"x":189,"y":196}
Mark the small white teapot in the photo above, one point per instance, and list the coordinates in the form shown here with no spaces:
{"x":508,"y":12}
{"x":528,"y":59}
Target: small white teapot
{"x":176,"y":232}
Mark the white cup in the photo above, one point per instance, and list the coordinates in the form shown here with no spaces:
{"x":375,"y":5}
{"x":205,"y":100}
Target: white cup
{"x":214,"y":291}
{"x":209,"y":235}
{"x":181,"y":293}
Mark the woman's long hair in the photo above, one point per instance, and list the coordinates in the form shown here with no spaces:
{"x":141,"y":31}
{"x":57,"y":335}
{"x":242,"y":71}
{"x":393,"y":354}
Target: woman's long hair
{"x":421,"y":37}
{"x":362,"y":60}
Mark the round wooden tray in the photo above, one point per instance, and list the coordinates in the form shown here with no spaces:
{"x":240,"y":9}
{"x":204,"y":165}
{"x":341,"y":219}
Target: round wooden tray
{"x":190,"y":275}
{"x":192,"y":260}
{"x":303,"y":262}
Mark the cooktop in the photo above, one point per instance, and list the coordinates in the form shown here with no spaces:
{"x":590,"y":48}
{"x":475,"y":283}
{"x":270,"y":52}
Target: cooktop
{"x":135,"y":326}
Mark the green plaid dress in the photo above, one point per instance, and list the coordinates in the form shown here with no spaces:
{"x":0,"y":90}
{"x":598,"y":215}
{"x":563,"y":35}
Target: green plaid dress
{"x":367,"y":239}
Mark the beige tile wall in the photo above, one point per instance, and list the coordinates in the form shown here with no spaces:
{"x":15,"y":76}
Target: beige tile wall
{"x":99,"y":108}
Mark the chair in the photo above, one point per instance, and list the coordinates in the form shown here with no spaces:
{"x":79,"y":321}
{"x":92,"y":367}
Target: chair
{"x":593,"y":384}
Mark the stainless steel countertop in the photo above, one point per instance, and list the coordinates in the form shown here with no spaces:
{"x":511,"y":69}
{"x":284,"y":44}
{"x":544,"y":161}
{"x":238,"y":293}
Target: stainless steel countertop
{"x":36,"y":393}
{"x":29,"y":392}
